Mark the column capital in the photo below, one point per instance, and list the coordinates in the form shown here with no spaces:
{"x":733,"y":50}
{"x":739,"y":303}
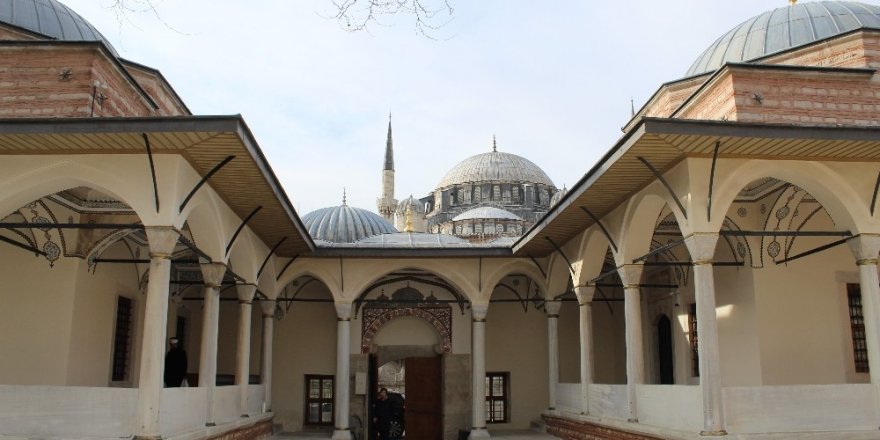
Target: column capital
{"x":631,"y":274}
{"x":212,"y":274}
{"x":865,"y":247}
{"x":585,"y":293}
{"x":479,"y":311}
{"x":552,"y":308}
{"x":268,"y":306}
{"x":246,"y":292}
{"x":161,"y":240}
{"x":343,"y":311}
{"x":701,"y":246}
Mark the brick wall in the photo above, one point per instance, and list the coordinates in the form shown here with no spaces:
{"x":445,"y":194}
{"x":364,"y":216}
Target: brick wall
{"x":574,"y":430}
{"x":715,"y":102}
{"x":258,"y":431}
{"x":55,"y":80}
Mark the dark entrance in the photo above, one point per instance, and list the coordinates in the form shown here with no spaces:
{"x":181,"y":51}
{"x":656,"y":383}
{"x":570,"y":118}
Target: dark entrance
{"x":423,"y":418}
{"x":664,"y":344}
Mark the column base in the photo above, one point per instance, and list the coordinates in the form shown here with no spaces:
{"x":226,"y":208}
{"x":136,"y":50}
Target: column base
{"x":713,"y":433}
{"x":341,"y":434}
{"x":477,"y":433}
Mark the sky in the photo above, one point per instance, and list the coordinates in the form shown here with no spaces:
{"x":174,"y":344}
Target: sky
{"x":553,"y":81}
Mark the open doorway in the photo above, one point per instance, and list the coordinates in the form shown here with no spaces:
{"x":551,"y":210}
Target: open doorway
{"x":414,"y":404}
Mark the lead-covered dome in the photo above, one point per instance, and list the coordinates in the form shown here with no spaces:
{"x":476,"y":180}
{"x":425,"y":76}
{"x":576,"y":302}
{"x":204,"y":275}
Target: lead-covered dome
{"x":50,"y":18}
{"x":345,"y":224}
{"x":785,"y":28}
{"x":495,"y":166}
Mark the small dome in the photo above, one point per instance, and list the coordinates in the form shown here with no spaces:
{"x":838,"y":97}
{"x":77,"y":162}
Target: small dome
{"x":558,"y":196}
{"x":486,"y":212}
{"x":345,"y":224}
{"x":785,"y":28}
{"x":417,"y":206}
{"x":495,"y":166}
{"x":50,"y":18}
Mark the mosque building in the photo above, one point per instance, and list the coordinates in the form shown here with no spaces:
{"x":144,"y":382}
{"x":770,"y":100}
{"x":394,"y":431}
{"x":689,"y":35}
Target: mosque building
{"x":713,"y":275}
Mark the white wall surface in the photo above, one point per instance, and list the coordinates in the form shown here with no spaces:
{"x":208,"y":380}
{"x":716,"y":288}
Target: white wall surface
{"x":800,"y":408}
{"x":671,"y":406}
{"x":55,"y":411}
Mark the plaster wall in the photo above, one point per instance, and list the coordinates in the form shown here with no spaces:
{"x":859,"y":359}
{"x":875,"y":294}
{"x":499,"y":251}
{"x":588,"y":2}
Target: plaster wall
{"x":516,"y":342}
{"x":94,"y":319}
{"x":609,"y":342}
{"x":36,"y":318}
{"x":227,"y":338}
{"x":305,"y":343}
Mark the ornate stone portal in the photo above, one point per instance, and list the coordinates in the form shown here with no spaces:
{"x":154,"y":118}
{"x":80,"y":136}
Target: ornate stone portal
{"x":376,"y":316}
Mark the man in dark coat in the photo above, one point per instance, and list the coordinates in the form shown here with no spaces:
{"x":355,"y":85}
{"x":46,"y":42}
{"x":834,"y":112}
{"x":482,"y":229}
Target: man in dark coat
{"x":175,"y":364}
{"x":382,"y":413}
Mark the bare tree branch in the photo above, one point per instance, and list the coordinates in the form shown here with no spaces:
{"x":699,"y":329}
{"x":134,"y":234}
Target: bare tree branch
{"x":358,"y":15}
{"x":126,"y":9}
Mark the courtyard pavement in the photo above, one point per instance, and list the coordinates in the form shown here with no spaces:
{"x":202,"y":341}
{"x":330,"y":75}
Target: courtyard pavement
{"x":496,"y":435}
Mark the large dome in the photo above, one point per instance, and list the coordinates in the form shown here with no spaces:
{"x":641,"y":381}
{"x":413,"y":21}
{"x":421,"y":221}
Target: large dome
{"x":495,"y":167}
{"x":785,"y":28}
{"x":345,"y":224}
{"x":50,"y":18}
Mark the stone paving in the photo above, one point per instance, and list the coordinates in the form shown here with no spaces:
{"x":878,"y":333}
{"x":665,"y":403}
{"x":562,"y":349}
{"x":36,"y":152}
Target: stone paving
{"x":496,"y":435}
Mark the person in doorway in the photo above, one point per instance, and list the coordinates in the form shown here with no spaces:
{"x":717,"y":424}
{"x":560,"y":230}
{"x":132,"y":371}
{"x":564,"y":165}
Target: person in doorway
{"x":175,"y":364}
{"x":382,"y":415}
{"x":388,"y":414}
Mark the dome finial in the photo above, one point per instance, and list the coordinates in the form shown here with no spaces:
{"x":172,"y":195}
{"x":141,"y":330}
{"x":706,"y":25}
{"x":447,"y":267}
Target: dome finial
{"x":408,"y":226}
{"x":792,"y":2}
{"x":344,"y":198}
{"x":494,"y":144}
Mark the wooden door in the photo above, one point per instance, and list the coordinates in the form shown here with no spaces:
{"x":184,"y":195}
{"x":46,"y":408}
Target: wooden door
{"x":424,"y":401}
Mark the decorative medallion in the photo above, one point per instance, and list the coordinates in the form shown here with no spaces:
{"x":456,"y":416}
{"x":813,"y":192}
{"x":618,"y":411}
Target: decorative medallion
{"x":781,"y":213}
{"x":40,"y":220}
{"x":742,"y":212}
{"x":52,"y":252}
{"x":763,"y":208}
{"x":774,"y":248}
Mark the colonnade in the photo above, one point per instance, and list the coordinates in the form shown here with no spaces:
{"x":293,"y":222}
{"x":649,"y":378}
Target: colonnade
{"x":161,"y":241}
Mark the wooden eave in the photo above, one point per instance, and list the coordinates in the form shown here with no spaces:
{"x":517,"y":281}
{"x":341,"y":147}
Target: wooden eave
{"x":665,"y":142}
{"x":204,"y":141}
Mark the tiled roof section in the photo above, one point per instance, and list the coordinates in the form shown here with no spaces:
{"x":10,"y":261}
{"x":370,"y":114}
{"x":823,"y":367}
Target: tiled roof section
{"x":495,"y":166}
{"x":486,"y":212}
{"x":345,"y":224}
{"x":785,"y":28}
{"x":50,"y":18}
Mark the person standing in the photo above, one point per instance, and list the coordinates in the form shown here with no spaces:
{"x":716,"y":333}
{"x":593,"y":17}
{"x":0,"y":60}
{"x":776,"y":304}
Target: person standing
{"x":175,"y":364}
{"x":382,"y":414}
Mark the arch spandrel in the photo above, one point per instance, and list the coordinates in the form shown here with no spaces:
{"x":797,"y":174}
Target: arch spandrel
{"x":29,"y":180}
{"x":593,"y":247}
{"x":639,"y":223}
{"x":831,"y":190}
{"x":360,"y":274}
{"x":318,"y":269}
{"x":498,"y":271}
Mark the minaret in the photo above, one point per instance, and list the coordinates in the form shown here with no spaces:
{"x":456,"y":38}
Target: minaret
{"x":386,"y":204}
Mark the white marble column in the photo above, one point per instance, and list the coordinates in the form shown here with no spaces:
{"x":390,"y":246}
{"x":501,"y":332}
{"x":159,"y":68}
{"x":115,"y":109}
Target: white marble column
{"x":212,"y":274}
{"x":478,"y":371}
{"x":243,"y":361}
{"x":631,"y":275}
{"x":702,"y":249}
{"x":585,"y":301}
{"x":866,"y":248}
{"x":343,"y":367}
{"x":161,"y":241}
{"x":552,"y":309}
{"x":268,"y":307}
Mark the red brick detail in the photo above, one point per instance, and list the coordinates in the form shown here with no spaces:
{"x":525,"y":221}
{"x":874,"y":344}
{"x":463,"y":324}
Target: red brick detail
{"x":576,"y":430}
{"x":257,"y":431}
{"x":440,"y":317}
